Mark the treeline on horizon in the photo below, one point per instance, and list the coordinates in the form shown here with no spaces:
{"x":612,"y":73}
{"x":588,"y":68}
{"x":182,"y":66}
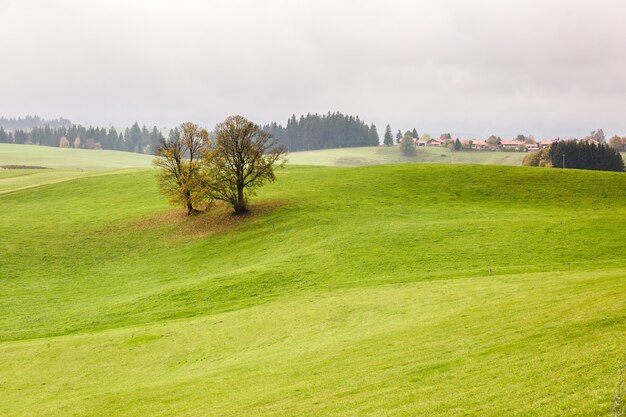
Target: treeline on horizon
{"x":29,"y":122}
{"x":331,"y":130}
{"x":310,"y":132}
{"x":133,"y":139}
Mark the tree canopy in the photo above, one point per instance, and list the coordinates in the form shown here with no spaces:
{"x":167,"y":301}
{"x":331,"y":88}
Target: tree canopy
{"x":243,"y":160}
{"x":194,"y":170}
{"x":180,"y":159}
{"x":407,"y":145}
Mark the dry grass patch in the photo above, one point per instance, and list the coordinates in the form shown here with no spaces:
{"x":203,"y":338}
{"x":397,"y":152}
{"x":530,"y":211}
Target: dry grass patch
{"x":21,"y":167}
{"x":215,"y":218}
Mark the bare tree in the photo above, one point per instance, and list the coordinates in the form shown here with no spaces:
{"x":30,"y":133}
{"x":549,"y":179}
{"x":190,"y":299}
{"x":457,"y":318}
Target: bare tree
{"x":243,"y":160}
{"x":180,"y":159}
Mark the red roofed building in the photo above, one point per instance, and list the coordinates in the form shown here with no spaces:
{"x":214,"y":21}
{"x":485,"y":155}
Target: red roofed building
{"x":510,"y":144}
{"x":436,"y":142}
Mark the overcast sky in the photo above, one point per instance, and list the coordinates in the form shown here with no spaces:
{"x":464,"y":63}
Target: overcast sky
{"x":542,"y":67}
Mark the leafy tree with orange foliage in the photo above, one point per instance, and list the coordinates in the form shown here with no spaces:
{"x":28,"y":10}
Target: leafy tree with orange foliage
{"x":180,"y":159}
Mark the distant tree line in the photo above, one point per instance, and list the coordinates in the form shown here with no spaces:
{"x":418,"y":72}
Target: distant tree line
{"x":331,"y":130}
{"x":577,"y":154}
{"x":29,"y":122}
{"x":133,"y":139}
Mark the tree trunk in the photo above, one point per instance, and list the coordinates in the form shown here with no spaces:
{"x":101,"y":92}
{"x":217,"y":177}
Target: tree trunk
{"x":190,"y":209}
{"x":241,"y":206}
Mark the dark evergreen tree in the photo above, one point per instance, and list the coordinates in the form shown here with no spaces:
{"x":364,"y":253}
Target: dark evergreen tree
{"x":374,"y":139}
{"x":20,"y":136}
{"x":154,"y":140}
{"x":415,"y":135}
{"x":457,"y":145}
{"x":133,"y":138}
{"x":293,"y":134}
{"x":4,"y":136}
{"x":174,"y":134}
{"x":144,"y":146}
{"x":388,"y":138}
{"x":398,"y":136}
{"x":278,"y":132}
{"x":109,"y":139}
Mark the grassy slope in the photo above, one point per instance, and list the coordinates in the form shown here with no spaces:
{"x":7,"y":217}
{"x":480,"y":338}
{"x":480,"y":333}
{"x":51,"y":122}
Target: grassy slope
{"x":21,"y":179}
{"x":65,"y":164}
{"x":391,"y":155}
{"x":390,"y":290}
{"x":71,"y":159}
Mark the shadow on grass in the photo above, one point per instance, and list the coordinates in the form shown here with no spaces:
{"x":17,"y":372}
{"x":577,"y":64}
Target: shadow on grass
{"x":215,"y":218}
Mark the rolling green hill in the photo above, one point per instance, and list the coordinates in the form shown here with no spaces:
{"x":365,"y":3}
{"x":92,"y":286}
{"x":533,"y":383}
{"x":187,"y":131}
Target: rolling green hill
{"x":61,"y":164}
{"x":71,"y":159}
{"x":411,"y":289}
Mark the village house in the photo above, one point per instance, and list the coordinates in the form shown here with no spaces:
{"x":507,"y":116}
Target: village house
{"x":436,"y":142}
{"x":480,"y":144}
{"x":510,"y":144}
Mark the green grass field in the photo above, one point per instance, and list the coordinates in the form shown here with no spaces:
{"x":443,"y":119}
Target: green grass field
{"x":412,"y":289}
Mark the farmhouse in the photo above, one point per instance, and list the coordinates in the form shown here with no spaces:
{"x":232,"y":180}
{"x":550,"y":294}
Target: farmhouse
{"x":517,"y":145}
{"x":436,"y":142}
{"x":510,"y":144}
{"x":480,"y":144}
